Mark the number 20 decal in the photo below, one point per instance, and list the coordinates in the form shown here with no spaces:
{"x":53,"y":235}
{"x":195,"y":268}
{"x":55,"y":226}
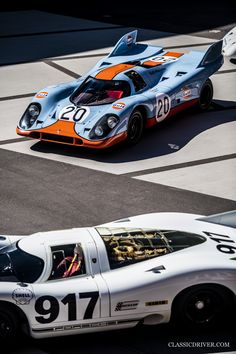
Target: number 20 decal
{"x":74,"y":114}
{"x":49,"y":313}
{"x":163,"y":104}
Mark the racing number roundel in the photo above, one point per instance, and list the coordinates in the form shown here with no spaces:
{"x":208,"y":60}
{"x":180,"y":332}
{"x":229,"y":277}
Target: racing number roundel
{"x":74,"y":114}
{"x":163,"y":105}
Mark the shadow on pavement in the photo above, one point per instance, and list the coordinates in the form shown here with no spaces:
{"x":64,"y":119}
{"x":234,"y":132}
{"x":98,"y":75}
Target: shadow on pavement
{"x":163,"y":339}
{"x":163,"y":139}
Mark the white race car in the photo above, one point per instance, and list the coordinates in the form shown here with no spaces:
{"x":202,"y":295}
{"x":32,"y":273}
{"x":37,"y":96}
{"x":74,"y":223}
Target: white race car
{"x":229,"y":44}
{"x":149,"y":268}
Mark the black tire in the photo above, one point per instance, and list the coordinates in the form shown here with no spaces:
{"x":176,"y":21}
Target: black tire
{"x":9,"y":324}
{"x":135,"y":128}
{"x":202,"y":306}
{"x":206,"y":95}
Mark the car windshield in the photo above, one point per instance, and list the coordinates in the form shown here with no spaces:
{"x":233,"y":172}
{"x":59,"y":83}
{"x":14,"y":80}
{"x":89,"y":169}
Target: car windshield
{"x":17,"y":265}
{"x":96,"y":92}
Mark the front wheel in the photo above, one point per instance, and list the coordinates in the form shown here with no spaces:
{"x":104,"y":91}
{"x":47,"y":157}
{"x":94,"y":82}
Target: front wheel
{"x":135,"y":128}
{"x":8,"y":324}
{"x":202,"y":306}
{"x":206,"y":95}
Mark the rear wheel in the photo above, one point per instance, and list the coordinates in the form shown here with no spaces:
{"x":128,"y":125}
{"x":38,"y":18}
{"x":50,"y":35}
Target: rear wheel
{"x":202,"y":306}
{"x":9,"y":325}
{"x":135,"y":128}
{"x":206,"y":95}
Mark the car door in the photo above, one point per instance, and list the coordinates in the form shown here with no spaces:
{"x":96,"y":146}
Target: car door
{"x":62,"y":302}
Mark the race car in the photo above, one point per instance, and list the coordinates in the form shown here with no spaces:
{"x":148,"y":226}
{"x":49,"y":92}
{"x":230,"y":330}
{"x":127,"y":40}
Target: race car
{"x":147,"y":269}
{"x":135,"y":86}
{"x":229,"y":44}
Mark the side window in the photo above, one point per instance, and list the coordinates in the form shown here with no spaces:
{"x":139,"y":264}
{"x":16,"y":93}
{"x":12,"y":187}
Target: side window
{"x":67,"y":261}
{"x":137,"y":80}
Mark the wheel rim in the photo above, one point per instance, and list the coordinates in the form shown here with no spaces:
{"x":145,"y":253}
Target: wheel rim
{"x":206,"y":96}
{"x":135,"y":128}
{"x":5,"y":326}
{"x":202,"y":307}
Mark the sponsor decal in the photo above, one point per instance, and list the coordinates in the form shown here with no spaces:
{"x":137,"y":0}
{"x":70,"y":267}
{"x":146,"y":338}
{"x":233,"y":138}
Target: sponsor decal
{"x":129,"y":40}
{"x":42,"y":94}
{"x":186,"y":92}
{"x":127,"y":305}
{"x":22,"y":296}
{"x":118,"y":105}
{"x":155,"y":303}
{"x":85,"y":325}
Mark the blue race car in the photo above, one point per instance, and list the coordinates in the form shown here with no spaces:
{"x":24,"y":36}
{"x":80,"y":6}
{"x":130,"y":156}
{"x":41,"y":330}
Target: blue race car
{"x":134,"y":87}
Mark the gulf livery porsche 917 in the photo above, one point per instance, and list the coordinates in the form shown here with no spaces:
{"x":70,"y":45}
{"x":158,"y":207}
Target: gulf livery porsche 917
{"x":135,"y":86}
{"x":147,"y":269}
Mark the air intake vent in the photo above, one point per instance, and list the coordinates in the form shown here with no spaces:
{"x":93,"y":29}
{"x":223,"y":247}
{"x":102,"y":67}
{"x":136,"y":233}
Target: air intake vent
{"x":181,"y":73}
{"x":105,"y":63}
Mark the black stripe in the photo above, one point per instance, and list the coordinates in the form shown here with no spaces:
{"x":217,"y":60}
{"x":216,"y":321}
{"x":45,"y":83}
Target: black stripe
{"x":80,"y":56}
{"x":225,"y":71}
{"x":24,"y":95}
{"x":189,"y":45}
{"x":11,"y":141}
{"x":60,"y":31}
{"x":180,"y":165}
{"x":61,"y":68}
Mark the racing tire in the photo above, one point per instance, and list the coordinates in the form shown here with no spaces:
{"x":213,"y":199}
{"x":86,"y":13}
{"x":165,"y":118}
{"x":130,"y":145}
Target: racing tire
{"x":202,"y":306}
{"x":206,"y":95}
{"x":135,"y":128}
{"x":9,"y":325}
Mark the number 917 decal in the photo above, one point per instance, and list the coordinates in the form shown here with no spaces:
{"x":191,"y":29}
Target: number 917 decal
{"x":74,"y":114}
{"x":163,"y":105}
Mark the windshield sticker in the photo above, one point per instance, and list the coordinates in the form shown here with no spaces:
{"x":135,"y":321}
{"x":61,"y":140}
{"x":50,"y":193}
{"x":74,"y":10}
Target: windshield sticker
{"x":118,"y":105}
{"x":22,"y":296}
{"x":42,"y":94}
{"x":127,"y":305}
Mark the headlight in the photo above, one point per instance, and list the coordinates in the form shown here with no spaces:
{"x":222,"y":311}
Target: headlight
{"x":104,"y":126}
{"x":99,"y":131}
{"x":112,"y":121}
{"x":30,"y":116}
{"x":33,"y":110}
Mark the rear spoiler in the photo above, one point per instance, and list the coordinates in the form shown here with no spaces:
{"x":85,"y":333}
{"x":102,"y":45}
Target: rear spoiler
{"x":213,"y":54}
{"x":225,"y":219}
{"x":125,"y":44}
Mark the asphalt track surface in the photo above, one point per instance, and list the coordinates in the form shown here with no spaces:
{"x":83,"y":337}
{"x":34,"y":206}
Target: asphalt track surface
{"x":46,"y":187}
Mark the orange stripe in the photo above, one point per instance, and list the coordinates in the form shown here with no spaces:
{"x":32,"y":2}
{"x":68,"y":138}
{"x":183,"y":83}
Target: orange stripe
{"x":111,"y":72}
{"x":152,"y":63}
{"x":60,"y":128}
{"x":173,"y":54}
{"x":77,"y":141}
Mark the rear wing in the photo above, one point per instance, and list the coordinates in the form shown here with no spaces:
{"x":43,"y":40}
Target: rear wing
{"x":213,"y":54}
{"x":225,"y":219}
{"x":125,"y":44}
